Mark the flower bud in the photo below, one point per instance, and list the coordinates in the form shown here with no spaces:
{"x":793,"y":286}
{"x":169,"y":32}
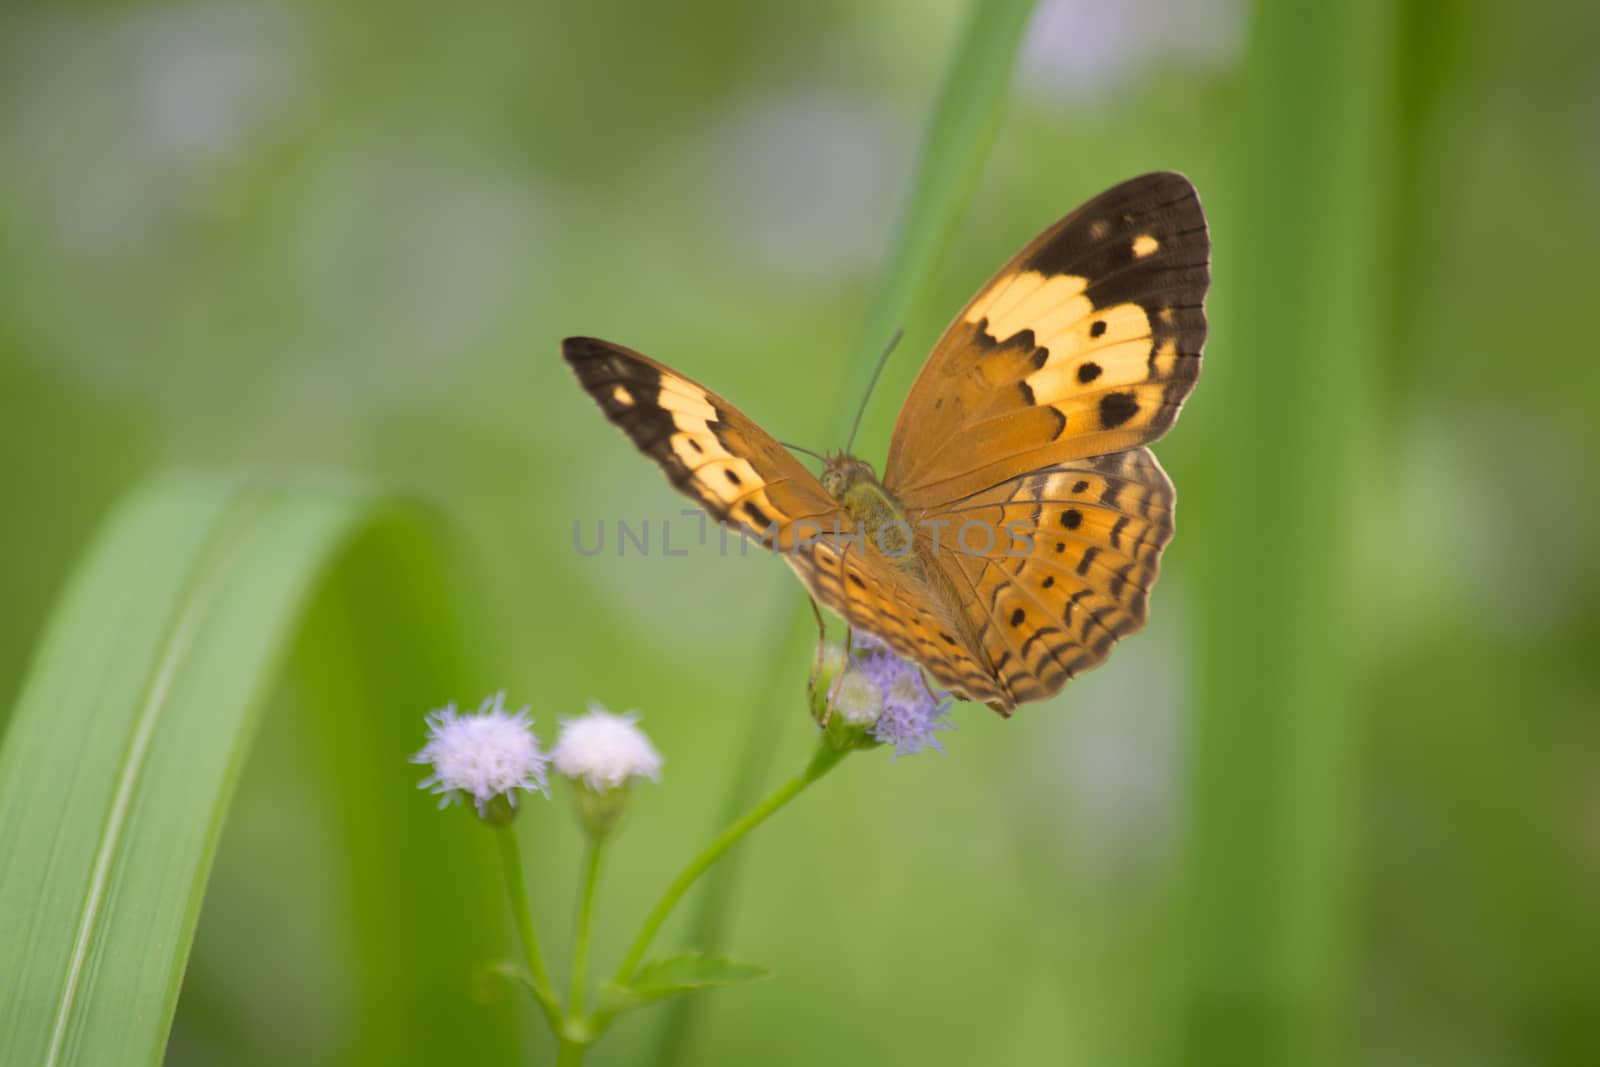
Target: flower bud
{"x":856,"y":702}
{"x":881,"y":699}
{"x":604,"y":754}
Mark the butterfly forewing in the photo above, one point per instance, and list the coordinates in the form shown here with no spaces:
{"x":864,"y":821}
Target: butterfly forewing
{"x":1085,"y":344}
{"x":710,"y":451}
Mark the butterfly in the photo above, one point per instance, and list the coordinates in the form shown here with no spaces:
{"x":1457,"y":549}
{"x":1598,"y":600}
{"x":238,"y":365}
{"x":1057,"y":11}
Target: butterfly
{"x":1019,"y":523}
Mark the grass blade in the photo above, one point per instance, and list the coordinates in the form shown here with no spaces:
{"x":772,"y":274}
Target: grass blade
{"x":124,"y":750}
{"x":1298,"y":302}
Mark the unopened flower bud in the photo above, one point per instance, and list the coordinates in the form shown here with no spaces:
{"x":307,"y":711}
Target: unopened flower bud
{"x":604,"y":754}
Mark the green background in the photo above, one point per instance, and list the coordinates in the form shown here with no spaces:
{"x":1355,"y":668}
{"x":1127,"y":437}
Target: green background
{"x":1339,"y":803}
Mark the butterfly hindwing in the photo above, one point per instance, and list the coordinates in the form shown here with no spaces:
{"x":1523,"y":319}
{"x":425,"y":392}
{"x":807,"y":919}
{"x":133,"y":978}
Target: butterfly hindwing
{"x":1085,"y":344}
{"x":1069,"y":573}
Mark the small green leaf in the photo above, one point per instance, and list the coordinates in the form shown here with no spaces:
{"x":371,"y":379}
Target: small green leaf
{"x":661,"y":979}
{"x":493,"y":980}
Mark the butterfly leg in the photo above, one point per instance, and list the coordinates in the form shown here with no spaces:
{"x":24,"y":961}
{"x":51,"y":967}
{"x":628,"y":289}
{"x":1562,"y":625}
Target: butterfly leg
{"x":822,"y":641}
{"x":833,"y":690}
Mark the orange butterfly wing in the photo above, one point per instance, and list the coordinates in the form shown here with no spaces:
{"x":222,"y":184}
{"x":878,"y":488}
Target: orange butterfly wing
{"x":1085,"y":344}
{"x":1069,"y":573}
{"x":1028,"y":419}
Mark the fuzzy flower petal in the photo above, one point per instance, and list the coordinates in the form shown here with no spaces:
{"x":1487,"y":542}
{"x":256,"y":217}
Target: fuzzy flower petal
{"x":482,"y":756}
{"x":912,"y":712}
{"x":605,"y":750}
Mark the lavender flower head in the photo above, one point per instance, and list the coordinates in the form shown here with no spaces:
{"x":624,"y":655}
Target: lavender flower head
{"x":490,"y":754}
{"x":605,"y":750}
{"x":912,"y":712}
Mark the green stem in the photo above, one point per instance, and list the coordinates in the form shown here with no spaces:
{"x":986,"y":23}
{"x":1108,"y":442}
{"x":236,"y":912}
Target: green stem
{"x":580,"y":942}
{"x":517,"y":891}
{"x":824,"y":761}
{"x":571,"y":1053}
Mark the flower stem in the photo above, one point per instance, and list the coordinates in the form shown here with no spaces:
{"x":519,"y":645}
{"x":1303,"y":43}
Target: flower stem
{"x":517,"y":891}
{"x":571,"y":1054}
{"x":580,"y":941}
{"x":821,"y":763}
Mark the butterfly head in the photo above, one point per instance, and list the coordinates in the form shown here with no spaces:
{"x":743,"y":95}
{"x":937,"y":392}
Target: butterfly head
{"x":842,"y":473}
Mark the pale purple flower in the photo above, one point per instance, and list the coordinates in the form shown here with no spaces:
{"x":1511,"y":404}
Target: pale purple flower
{"x":605,"y":750}
{"x":913,"y":712}
{"x":482,"y":756}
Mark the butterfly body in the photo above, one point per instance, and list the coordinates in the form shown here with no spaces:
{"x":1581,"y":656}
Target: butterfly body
{"x":1018,"y":525}
{"x":870,"y":508}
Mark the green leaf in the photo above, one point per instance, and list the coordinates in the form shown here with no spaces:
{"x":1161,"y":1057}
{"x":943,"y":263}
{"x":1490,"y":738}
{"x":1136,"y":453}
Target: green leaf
{"x":675,"y":975}
{"x":494,"y":979}
{"x":131,"y":732}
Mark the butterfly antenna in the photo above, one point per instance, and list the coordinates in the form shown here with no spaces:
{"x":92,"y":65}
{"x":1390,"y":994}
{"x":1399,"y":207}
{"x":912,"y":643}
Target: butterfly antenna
{"x":802,"y":448}
{"x":862,"y":410}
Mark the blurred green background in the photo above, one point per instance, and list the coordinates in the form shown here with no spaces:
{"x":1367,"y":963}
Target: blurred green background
{"x":1340,"y":803}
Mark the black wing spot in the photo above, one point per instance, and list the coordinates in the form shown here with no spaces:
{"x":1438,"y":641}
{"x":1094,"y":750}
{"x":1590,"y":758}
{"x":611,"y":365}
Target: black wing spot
{"x":1098,"y":328}
{"x":759,"y":517}
{"x":695,"y":445}
{"x":1116,"y":531}
{"x":1049,"y":580}
{"x":856,"y":580}
{"x":732,"y":477}
{"x":1088,"y":372}
{"x":1079,"y":486}
{"x":1072,"y":518}
{"x":1088,"y":557}
{"x":1017,"y":616}
{"x":1116,"y":409}
{"x":1061,"y":546}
